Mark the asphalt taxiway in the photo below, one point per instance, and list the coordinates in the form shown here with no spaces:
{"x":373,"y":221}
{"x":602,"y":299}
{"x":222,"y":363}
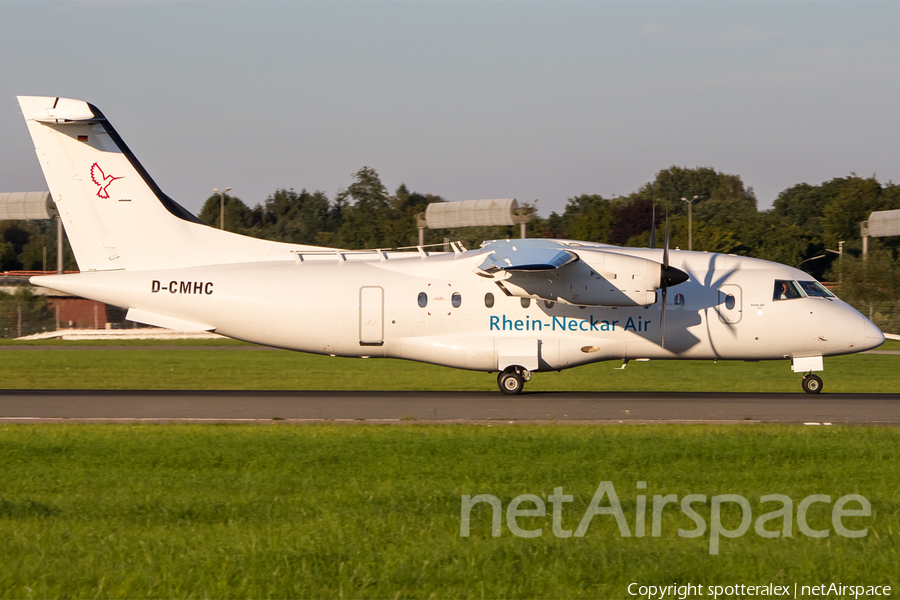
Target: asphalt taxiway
{"x":360,"y":406}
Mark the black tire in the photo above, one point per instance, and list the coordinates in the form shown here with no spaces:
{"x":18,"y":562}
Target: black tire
{"x":510,"y":382}
{"x":812,"y":384}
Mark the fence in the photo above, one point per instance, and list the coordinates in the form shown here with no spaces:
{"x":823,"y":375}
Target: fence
{"x":884,"y":314}
{"x":23,"y":313}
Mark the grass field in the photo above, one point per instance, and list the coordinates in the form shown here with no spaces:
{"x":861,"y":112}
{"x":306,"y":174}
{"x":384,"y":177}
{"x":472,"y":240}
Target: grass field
{"x":233,"y":365}
{"x":166,"y":511}
{"x":363,"y":511}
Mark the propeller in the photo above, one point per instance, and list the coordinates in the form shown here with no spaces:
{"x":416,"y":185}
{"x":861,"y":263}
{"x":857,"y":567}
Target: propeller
{"x":668,"y":276}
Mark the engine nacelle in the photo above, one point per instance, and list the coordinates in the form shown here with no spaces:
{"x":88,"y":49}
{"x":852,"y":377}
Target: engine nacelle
{"x":600,"y":278}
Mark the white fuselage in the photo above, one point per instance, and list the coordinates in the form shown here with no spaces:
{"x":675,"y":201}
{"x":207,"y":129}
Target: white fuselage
{"x":348,"y":304}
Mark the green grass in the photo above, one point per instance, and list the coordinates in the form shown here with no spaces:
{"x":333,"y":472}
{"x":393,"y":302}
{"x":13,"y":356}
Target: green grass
{"x":325,"y":511}
{"x":208,"y":368}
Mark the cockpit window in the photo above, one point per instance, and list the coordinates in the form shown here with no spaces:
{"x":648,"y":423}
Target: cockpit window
{"x":814,"y":288}
{"x":786,"y":290}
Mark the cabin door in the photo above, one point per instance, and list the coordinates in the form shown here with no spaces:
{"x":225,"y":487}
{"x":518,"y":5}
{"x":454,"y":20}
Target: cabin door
{"x":371,"y":316}
{"x":729,"y":307}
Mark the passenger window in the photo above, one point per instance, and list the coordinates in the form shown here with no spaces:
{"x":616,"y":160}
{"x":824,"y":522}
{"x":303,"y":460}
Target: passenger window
{"x":786,"y":290}
{"x":489,"y":300}
{"x":526,"y":302}
{"x":423,"y":299}
{"x":729,"y":302}
{"x":679,"y":301}
{"x":455,"y":299}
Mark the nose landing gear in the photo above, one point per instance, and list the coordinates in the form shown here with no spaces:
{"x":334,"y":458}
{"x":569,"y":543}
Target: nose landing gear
{"x":812,"y":384}
{"x":512,"y":379}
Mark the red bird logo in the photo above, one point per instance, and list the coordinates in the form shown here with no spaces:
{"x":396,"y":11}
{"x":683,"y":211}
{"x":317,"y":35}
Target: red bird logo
{"x":102,"y":180}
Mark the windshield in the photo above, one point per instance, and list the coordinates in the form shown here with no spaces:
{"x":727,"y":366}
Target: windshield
{"x":814,"y":288}
{"x":786,"y":289}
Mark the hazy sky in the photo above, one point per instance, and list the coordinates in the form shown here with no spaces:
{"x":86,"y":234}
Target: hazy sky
{"x":537,"y":100}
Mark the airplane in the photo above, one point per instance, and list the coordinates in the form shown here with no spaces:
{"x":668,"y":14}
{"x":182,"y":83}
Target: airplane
{"x":515,"y":307}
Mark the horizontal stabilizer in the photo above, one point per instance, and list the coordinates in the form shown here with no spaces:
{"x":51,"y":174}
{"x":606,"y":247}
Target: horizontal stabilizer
{"x":149,"y":318}
{"x":526,"y":255}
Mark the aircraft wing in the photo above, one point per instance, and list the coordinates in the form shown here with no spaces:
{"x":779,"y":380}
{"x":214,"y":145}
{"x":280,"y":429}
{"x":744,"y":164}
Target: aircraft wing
{"x":525,"y":255}
{"x":589,"y":276}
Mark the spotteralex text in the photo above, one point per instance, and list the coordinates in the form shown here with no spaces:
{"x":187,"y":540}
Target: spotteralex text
{"x":677,"y":591}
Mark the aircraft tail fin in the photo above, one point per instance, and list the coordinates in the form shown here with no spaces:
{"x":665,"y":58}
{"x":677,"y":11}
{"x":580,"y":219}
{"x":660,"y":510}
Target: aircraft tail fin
{"x":114,"y":214}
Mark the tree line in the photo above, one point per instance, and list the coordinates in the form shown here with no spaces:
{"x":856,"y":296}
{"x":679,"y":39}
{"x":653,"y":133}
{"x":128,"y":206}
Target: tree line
{"x":805,"y":221}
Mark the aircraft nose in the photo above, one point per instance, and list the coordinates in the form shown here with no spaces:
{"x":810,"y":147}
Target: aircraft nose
{"x":873,"y":337}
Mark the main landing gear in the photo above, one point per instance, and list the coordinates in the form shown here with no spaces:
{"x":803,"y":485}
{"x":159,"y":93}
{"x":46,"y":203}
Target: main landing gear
{"x":512,"y":379}
{"x":812,"y":384}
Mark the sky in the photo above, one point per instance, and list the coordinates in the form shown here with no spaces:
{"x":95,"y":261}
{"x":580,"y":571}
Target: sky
{"x":534,"y":100}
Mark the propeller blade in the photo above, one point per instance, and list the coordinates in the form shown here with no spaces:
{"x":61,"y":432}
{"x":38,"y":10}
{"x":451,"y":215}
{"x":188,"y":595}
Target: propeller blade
{"x":666,"y":247}
{"x":669,"y":275}
{"x":662,"y":320}
{"x":664,"y":283}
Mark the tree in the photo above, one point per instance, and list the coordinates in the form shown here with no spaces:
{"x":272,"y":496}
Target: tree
{"x":633,"y":216}
{"x":365,"y":212}
{"x":588,"y":217}
{"x":8,"y":258}
{"x":238,"y":217}
{"x":289,"y":216}
{"x":675,"y":183}
{"x":13,"y":237}
{"x":405,"y":206}
{"x":852,"y":200}
{"x":802,"y":205}
{"x":778,"y":239}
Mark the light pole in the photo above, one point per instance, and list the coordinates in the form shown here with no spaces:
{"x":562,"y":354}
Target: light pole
{"x":221,"y":206}
{"x":840,"y":253}
{"x":809,"y":259}
{"x":690,"y":204}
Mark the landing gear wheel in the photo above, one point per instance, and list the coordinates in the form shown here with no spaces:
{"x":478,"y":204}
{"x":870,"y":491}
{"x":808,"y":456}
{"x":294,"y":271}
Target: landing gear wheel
{"x":812,"y":384}
{"x":510,"y":382}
